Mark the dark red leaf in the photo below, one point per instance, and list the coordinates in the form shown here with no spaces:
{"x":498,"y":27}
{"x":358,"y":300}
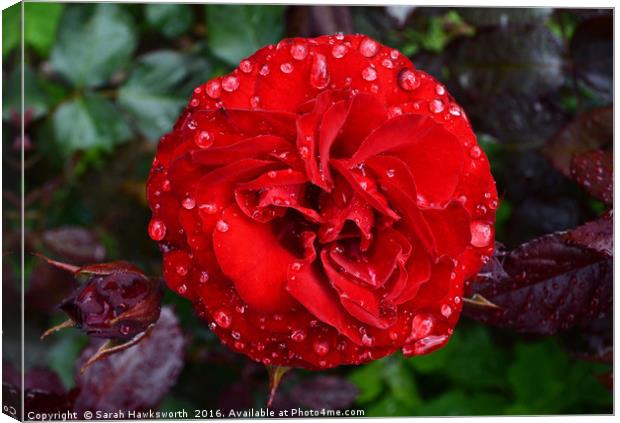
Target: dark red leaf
{"x":547,"y":285}
{"x":136,"y":378}
{"x":329,"y":392}
{"x":589,"y":131}
{"x":594,"y":171}
{"x":73,"y":243}
{"x":597,"y":235}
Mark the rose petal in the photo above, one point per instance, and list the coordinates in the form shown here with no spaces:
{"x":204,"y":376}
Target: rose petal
{"x":251,"y":256}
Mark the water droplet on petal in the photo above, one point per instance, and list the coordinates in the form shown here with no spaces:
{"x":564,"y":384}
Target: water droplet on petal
{"x":394,"y":54}
{"x":367,"y":340}
{"x":188,"y":203}
{"x":439,"y":89}
{"x":264,"y":70}
{"x":303,"y":152}
{"x":407,"y":80}
{"x":182,"y":289}
{"x":286,"y":67}
{"x":246,"y":66}
{"x":475,"y":152}
{"x":214,"y":88}
{"x":339,"y":51}
{"x":481,"y":234}
{"x":298,"y":335}
{"x":387,"y":63}
{"x":339,"y":36}
{"x":446,"y":311}
{"x":204,"y":277}
{"x":157,"y":230}
{"x":319,"y":74}
{"x":454,"y":110}
{"x":194,"y":102}
{"x":222,"y":226}
{"x":436,"y":106}
{"x":203,"y":139}
{"x":181,"y":270}
{"x":421,"y":326}
{"x":389,"y":173}
{"x":369,"y":74}
{"x":222,"y":318}
{"x":299,"y":51}
{"x":394,"y":111}
{"x":192,"y":124}
{"x":230,"y":83}
{"x":321,"y":347}
{"x":210,"y":208}
{"x":296,"y":266}
{"x":255,"y":101}
{"x":166,"y":185}
{"x":369,"y":47}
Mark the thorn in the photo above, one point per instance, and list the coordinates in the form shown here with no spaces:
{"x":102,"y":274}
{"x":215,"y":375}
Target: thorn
{"x":276,"y":373}
{"x":478,"y":300}
{"x":106,"y":349}
{"x":60,"y":265}
{"x":66,"y":324}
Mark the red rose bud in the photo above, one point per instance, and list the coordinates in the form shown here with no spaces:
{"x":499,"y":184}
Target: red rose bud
{"x":323,"y":204}
{"x":118,"y":301}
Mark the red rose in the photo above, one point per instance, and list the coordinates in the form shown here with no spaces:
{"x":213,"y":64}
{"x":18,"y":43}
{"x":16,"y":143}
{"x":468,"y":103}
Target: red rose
{"x":323,"y":204}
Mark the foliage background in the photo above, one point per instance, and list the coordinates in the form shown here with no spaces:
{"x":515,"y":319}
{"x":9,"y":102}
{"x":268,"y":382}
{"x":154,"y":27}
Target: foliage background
{"x":104,"y":81}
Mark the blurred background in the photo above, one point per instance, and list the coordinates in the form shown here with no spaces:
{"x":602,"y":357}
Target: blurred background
{"x":103,"y":82}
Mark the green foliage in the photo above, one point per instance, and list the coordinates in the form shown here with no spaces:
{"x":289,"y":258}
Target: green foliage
{"x":40,"y":25}
{"x":89,"y":122}
{"x":94,"y":41}
{"x":475,"y":375}
{"x":235,"y":32}
{"x":35,"y":97}
{"x":11,"y":28}
{"x":155,"y":91}
{"x":171,"y":20}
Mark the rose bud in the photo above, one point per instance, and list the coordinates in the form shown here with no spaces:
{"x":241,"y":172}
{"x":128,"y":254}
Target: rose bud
{"x":117,"y":302}
{"x":323,"y":204}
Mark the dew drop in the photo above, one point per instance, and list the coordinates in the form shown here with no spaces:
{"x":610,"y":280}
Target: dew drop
{"x":246,"y":66}
{"x":439,"y":89}
{"x":303,"y":152}
{"x":339,"y":51}
{"x":299,"y":51}
{"x":157,"y":230}
{"x":230,"y":83}
{"x":222,"y":318}
{"x":407,"y":80}
{"x":192,"y":124}
{"x":204,"y":277}
{"x":296,"y":266}
{"x":475,"y":152}
{"x":255,"y":101}
{"x":394,"y":54}
{"x":446,"y":311}
{"x":194,"y":102}
{"x":182,"y":289}
{"x":264,"y":70}
{"x":454,"y":110}
{"x":286,"y":67}
{"x":181,"y":270}
{"x":369,"y":74}
{"x":369,"y":47}
{"x":367,"y":340}
{"x":222,"y":226}
{"x":387,"y":63}
{"x":319,"y":74}
{"x":421,"y":326}
{"x":188,"y":203}
{"x":436,"y":106}
{"x":166,"y":185}
{"x":214,"y":89}
{"x":394,"y":111}
{"x":481,"y":234}
{"x":321,"y":347}
{"x":298,"y":335}
{"x":209,"y":208}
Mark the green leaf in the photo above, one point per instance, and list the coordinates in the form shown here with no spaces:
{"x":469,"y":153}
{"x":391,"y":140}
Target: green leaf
{"x":40,"y":25}
{"x":35,"y":98}
{"x":94,"y":41}
{"x":235,"y":32}
{"x":401,"y":382}
{"x":171,"y":20}
{"x":89,"y":122}
{"x":368,"y":380}
{"x":156,"y":91}
{"x":11,"y":28}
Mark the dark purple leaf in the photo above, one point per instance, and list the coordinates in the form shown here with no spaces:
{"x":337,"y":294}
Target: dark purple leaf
{"x":73,"y":243}
{"x":589,"y":131}
{"x":329,"y":392}
{"x":594,"y":171}
{"x":592,"y":54}
{"x":136,"y":378}
{"x":547,"y":285}
{"x":596,"y":235}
